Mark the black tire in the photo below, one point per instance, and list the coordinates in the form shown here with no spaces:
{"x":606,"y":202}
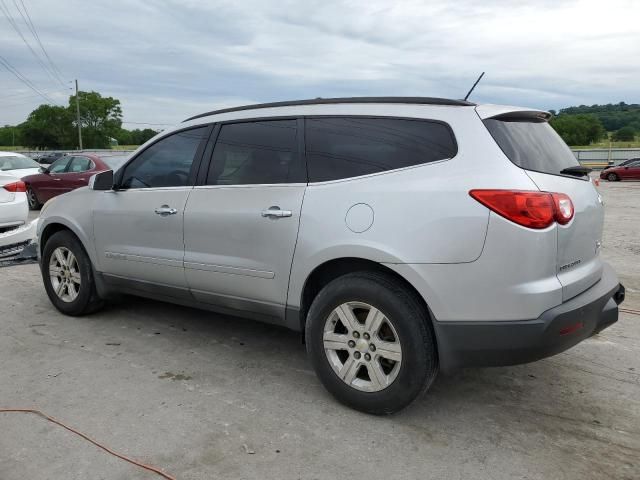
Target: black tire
{"x":612,"y":177}
{"x":87,"y":300}
{"x":419,"y":365}
{"x":32,"y":198}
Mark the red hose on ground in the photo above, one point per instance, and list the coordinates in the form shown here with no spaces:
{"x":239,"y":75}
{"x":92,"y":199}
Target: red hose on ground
{"x":89,"y":439}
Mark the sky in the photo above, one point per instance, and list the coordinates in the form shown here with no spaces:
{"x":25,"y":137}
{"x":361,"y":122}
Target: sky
{"x":168,"y":60}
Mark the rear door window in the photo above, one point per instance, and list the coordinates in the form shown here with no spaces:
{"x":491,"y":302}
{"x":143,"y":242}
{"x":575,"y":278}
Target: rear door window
{"x":261,"y":152}
{"x":79,"y":164}
{"x":343,"y":147}
{"x":531,"y":144}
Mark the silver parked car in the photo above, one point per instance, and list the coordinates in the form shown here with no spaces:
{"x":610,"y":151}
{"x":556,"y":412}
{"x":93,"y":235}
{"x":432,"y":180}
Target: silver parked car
{"x":402,"y":236}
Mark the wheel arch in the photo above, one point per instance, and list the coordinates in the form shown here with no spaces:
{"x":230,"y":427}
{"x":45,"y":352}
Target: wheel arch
{"x":56,"y":225}
{"x":329,"y":270}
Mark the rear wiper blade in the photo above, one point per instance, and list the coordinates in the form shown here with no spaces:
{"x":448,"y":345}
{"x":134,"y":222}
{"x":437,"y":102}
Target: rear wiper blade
{"x":577,"y":171}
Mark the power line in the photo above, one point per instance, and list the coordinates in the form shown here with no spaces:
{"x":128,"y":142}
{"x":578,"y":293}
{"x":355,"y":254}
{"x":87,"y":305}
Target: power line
{"x":29,"y":95}
{"x":32,"y":27}
{"x":24,"y":79}
{"x":12,"y":22}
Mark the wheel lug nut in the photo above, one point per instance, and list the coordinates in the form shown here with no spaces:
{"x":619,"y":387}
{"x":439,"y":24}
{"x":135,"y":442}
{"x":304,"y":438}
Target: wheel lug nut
{"x":366,"y":336}
{"x":356,"y":335}
{"x":372,"y":347}
{"x":352,"y":343}
{"x":367,"y":357}
{"x":357,"y":355}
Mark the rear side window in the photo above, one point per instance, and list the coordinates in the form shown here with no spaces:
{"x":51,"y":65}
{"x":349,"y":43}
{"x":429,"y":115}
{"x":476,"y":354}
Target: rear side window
{"x":532,"y":145}
{"x":343,"y":147}
{"x":256,"y":153}
{"x":79,"y":164}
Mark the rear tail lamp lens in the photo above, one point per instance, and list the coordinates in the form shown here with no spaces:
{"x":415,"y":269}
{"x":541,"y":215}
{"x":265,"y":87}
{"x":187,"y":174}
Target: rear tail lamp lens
{"x":530,"y":209}
{"x":564,"y":208}
{"x":18,"y":186}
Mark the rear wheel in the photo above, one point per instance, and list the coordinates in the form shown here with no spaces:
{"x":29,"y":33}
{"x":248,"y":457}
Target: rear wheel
{"x":34,"y":203}
{"x":68,"y":275}
{"x":370,"y":342}
{"x":612,"y":177}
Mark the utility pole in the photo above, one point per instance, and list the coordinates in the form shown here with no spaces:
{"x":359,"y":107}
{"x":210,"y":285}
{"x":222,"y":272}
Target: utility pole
{"x":78,"y":117}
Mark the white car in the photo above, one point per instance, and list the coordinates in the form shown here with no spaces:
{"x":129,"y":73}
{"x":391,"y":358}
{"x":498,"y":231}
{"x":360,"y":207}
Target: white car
{"x":17,"y":165}
{"x":16,"y":232}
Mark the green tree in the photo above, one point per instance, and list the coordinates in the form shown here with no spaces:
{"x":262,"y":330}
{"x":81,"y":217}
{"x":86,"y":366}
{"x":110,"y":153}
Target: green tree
{"x":625,"y":134}
{"x":48,"y":126}
{"x":581,"y":129}
{"x":100,"y":118}
{"x":9,"y":135}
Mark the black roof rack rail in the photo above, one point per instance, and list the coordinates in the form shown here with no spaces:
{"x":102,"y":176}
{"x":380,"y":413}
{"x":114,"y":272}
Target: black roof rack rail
{"x":324,"y":101}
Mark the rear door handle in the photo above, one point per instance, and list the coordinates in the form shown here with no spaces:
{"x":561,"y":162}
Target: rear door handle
{"x":275,"y":212}
{"x":165,"y":210}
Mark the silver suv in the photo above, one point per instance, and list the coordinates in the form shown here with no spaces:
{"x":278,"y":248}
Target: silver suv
{"x":401,"y":236}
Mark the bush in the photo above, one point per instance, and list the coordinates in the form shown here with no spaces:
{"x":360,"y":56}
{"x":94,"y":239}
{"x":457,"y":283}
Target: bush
{"x":625,"y":134}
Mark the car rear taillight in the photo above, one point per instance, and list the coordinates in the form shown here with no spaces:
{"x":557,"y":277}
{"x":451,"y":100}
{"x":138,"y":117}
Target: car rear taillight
{"x":527,"y":208}
{"x":18,"y":186}
{"x":564,"y":208}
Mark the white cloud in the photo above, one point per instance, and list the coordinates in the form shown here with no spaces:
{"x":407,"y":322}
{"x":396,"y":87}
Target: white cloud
{"x":168,"y":60}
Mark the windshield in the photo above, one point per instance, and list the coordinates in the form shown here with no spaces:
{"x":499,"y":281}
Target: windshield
{"x":16,"y":163}
{"x":532,"y":145}
{"x":114,"y":161}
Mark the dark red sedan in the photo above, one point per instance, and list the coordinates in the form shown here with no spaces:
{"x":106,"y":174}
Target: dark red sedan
{"x":67,"y":173}
{"x":628,"y":171}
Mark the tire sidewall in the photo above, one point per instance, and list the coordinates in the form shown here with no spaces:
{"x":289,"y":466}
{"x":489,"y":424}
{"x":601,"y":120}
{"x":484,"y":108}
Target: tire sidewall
{"x":612,"y":177}
{"x":419,"y":362}
{"x":32,"y":199}
{"x":68,"y":240}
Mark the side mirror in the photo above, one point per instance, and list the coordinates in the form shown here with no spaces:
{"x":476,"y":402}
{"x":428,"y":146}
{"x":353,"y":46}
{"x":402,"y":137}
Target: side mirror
{"x":44,"y":170}
{"x":102,"y":181}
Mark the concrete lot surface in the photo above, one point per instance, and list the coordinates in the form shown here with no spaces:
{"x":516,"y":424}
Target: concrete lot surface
{"x":205,"y":396}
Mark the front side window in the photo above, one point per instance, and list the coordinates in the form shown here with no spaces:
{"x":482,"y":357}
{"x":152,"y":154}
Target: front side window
{"x":59,"y":165}
{"x":255,"y":153}
{"x":79,"y":164}
{"x":166,"y":163}
{"x":343,"y":147}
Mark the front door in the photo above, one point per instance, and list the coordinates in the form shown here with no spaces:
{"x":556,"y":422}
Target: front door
{"x":50,"y":184}
{"x":241,"y":226}
{"x":139,"y":226}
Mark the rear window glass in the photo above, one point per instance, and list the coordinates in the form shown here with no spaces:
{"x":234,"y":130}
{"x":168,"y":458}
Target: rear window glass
{"x":343,"y":147}
{"x":532,"y":145}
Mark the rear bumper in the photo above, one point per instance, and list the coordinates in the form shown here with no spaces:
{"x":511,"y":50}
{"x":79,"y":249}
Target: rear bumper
{"x":466,"y":344}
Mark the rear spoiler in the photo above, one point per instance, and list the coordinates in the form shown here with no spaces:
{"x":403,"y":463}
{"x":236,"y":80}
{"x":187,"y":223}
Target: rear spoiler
{"x":505,"y":112}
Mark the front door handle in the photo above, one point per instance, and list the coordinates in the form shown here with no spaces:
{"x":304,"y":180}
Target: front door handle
{"x":165,"y":210}
{"x":275,"y":212}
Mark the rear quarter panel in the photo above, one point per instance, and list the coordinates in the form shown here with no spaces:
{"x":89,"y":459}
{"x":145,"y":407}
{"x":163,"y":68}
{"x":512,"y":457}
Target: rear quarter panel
{"x":421,"y":215}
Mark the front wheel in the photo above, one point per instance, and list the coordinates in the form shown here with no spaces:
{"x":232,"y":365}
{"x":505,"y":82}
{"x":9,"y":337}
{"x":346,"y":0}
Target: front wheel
{"x":68,"y":275}
{"x":370,"y":342}
{"x":612,"y":177}
{"x":34,"y":203}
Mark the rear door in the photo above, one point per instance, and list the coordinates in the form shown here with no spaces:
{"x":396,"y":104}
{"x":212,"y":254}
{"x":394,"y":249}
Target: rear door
{"x":77,"y":172}
{"x":532,"y":144}
{"x":241,"y":222}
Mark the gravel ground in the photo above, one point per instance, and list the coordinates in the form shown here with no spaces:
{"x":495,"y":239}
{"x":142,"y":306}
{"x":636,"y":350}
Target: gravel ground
{"x":206,"y":396}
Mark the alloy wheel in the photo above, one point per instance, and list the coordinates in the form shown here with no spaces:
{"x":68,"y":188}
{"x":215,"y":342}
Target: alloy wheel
{"x":64,"y":273}
{"x":362,"y":346}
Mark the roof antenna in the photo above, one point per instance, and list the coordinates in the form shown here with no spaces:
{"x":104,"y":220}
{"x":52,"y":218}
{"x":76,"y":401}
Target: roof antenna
{"x":474,"y":85}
